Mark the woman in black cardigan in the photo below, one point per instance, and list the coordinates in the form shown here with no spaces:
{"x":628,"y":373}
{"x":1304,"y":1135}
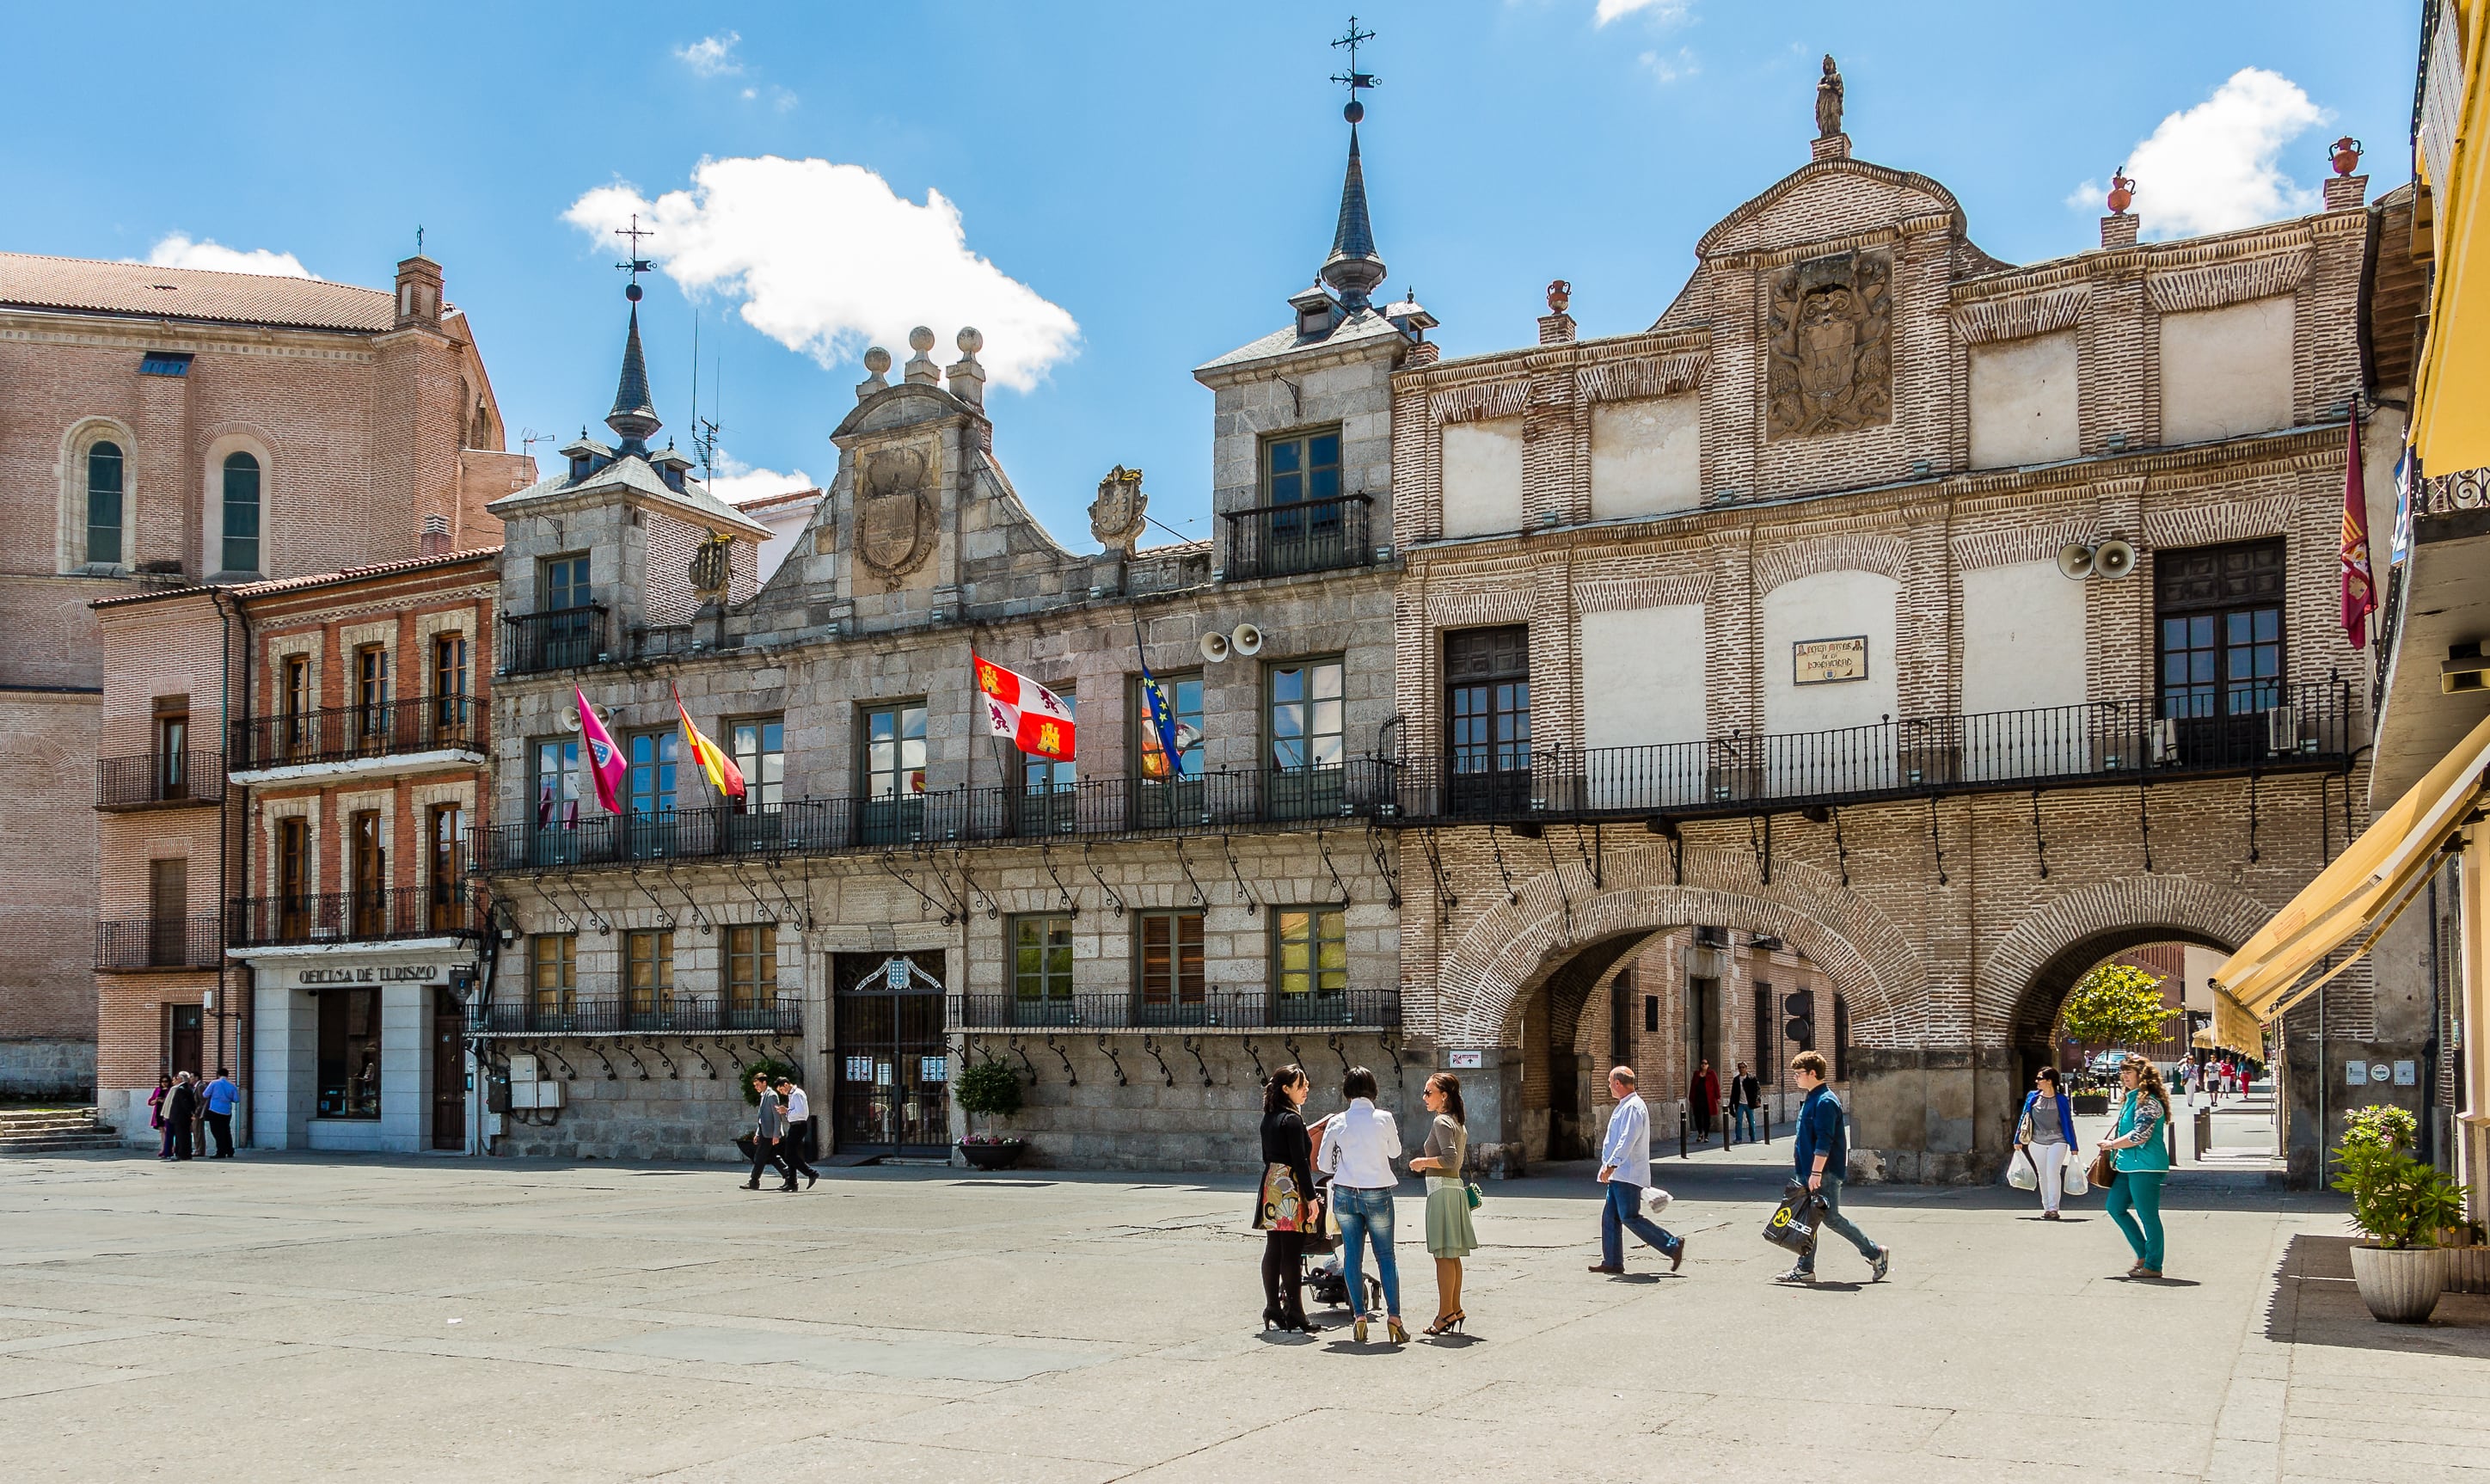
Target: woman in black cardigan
{"x":1286,"y":1207}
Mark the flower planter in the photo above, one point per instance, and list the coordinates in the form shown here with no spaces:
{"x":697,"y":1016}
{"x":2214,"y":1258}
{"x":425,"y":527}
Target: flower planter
{"x":1005,"y":1155}
{"x":2400,"y":1285}
{"x":2090,"y":1104}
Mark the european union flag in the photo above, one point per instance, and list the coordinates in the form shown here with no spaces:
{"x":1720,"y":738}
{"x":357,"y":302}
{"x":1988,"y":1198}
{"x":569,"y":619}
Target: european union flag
{"x":1170,"y":761}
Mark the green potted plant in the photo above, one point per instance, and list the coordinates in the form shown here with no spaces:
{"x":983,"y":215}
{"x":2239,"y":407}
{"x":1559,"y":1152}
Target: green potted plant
{"x":988,"y":1089}
{"x":2402,"y":1205}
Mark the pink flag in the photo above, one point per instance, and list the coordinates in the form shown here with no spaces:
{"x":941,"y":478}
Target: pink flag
{"x":599,"y":757}
{"x":2359,"y":583}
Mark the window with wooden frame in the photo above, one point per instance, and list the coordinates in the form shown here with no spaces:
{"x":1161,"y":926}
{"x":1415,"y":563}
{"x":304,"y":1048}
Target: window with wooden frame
{"x":293,"y":878}
{"x":758,"y":746}
{"x":444,"y":836}
{"x":104,"y":484}
{"x":649,"y":972}
{"x":552,"y":971}
{"x":298,"y":702}
{"x":372,"y":693}
{"x":449,"y":715}
{"x":1170,"y":946}
{"x":1298,"y":467}
{"x":1041,"y":949}
{"x":242,"y":512}
{"x":751,"y":967}
{"x":1309,"y":955}
{"x":368,"y":844}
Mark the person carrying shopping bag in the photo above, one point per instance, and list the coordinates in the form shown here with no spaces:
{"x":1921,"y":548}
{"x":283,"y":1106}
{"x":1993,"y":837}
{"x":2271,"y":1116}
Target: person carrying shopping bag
{"x":2140,"y":1158}
{"x":2046,"y":1135}
{"x":1359,"y":1147}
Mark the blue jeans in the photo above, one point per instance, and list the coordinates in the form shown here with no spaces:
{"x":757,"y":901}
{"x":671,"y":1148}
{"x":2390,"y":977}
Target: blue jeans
{"x":1742,"y":1119}
{"x":1834,"y":1221}
{"x":1623,"y":1213}
{"x":2135,"y":1204}
{"x":1366,"y":1215}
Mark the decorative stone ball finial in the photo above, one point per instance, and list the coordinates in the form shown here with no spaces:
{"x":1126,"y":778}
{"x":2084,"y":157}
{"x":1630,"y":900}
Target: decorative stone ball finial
{"x":2121,"y":192}
{"x":1559,"y":294}
{"x":970,"y":340}
{"x":877,"y":360}
{"x":920,"y":340}
{"x":2347,"y":154}
{"x":920,"y":367}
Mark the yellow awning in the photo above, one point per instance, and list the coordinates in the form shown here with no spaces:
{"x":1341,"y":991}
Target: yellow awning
{"x":2367,"y":882}
{"x":2234,"y":1029}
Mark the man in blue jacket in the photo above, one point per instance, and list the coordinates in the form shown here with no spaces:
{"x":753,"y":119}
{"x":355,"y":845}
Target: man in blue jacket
{"x":1823,"y":1152}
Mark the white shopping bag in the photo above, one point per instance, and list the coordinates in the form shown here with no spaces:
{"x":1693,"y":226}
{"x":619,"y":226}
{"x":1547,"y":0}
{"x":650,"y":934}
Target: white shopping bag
{"x":2073,"y":1181}
{"x":2020,"y":1172}
{"x":1654,"y":1200}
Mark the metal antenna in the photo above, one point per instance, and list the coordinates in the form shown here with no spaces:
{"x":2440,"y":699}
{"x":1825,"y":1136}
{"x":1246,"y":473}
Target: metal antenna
{"x":1353,"y":79}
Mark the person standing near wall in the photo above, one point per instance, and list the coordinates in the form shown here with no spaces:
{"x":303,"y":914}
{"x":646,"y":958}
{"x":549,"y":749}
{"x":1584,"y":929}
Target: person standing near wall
{"x":2046,"y":1135}
{"x":156,"y":1114}
{"x":182,"y":1111}
{"x":1745,"y":1096}
{"x":1702,"y":1096}
{"x":221,"y":1096}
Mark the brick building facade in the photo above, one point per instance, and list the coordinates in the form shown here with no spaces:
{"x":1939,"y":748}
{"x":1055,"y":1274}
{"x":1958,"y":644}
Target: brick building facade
{"x":170,"y":427}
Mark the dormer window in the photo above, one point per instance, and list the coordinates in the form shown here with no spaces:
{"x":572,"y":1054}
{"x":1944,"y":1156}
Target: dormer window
{"x":1317,"y":312}
{"x":579,"y":467}
{"x":674,"y":475}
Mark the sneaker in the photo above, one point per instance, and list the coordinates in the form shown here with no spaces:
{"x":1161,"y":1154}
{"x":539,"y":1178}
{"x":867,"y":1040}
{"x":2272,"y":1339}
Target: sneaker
{"x":1877,"y":1265}
{"x":1798,"y":1277}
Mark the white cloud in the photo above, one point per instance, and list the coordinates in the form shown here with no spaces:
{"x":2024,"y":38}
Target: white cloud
{"x":826,"y":258}
{"x":712,"y":56}
{"x":2212,"y":168}
{"x":1665,"y":12}
{"x":1669,"y":68}
{"x":177,"y":249}
{"x":737,"y":481}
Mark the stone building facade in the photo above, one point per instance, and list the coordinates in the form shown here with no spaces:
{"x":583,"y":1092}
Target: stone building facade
{"x":168,"y":427}
{"x":1955,"y":623}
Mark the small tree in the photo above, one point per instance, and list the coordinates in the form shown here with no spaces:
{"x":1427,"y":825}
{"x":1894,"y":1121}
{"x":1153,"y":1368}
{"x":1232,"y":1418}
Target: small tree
{"x":2116,"y":1004}
{"x":987,"y":1087}
{"x":765,"y":1067}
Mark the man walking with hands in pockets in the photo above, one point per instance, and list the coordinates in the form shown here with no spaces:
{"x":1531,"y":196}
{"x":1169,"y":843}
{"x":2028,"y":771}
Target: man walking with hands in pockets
{"x":1823,"y":1154}
{"x":1625,"y":1168}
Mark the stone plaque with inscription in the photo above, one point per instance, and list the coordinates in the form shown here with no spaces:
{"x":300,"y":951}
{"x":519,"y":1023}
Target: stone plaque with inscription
{"x":1828,"y":661}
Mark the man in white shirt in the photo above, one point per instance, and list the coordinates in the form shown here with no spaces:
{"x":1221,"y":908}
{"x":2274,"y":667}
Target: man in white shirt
{"x":799,"y":1127}
{"x":1625,"y":1169}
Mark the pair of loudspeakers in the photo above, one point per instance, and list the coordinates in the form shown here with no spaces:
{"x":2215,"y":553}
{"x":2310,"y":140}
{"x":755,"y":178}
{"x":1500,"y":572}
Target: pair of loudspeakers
{"x":2111,"y":560}
{"x":1244,"y":642}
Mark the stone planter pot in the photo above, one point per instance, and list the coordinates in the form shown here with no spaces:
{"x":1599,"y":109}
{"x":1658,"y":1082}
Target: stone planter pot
{"x":1005,"y":1155}
{"x":2090,"y":1104}
{"x":2468,"y":1270}
{"x":2399,"y":1285}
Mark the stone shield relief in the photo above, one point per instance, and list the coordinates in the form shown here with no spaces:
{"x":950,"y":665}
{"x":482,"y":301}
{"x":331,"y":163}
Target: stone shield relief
{"x":1831,"y":356}
{"x":894,"y":512}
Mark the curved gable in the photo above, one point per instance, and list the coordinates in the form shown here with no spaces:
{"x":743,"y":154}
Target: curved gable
{"x":1829,"y":198}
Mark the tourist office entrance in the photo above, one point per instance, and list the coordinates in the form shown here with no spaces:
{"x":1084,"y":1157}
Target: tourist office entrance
{"x":360,"y":1049}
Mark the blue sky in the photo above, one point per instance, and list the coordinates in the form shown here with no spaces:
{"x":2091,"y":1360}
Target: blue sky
{"x":1137,"y":187}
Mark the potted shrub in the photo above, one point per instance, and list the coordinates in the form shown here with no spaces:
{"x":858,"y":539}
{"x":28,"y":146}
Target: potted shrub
{"x":2402,"y":1205}
{"x":988,"y":1089}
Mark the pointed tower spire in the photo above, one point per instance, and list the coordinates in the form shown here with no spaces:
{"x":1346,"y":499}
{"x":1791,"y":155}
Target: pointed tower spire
{"x":632,"y":417}
{"x":1353,"y":270}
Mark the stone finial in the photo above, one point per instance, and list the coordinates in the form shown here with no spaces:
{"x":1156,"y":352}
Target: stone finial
{"x":966,"y":377}
{"x":920,"y":367}
{"x":1116,"y":516}
{"x":877,"y":365}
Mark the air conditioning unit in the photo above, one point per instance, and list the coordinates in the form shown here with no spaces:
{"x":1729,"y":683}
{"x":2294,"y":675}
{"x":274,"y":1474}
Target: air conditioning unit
{"x":2282,"y":729}
{"x":2166,"y":742}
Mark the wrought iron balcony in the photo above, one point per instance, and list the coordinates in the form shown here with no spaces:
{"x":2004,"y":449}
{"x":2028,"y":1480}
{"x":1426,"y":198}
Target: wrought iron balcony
{"x":563,"y":639}
{"x":648,"y":1014}
{"x":1367,"y":1010}
{"x":160,"y":943}
{"x":348,"y":734}
{"x":159,"y":780}
{"x":1310,"y":536}
{"x":354,"y":917}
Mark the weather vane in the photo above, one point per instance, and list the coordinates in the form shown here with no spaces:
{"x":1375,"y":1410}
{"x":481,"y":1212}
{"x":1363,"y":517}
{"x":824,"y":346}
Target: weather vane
{"x":636,"y":265}
{"x":1353,"y":79}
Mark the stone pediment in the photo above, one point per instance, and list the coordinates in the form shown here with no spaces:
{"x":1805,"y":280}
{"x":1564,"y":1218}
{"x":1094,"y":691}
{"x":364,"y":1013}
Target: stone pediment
{"x":909,"y":404}
{"x":1828,"y":200}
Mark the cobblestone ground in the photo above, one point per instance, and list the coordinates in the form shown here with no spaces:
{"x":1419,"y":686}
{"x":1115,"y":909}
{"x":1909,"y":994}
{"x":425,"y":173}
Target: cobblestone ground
{"x":278,"y":1319}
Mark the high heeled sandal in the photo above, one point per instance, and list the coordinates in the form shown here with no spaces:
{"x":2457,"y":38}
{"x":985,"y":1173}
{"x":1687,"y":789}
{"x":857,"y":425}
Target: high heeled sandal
{"x":1445,"y":1323}
{"x":1357,"y":1331}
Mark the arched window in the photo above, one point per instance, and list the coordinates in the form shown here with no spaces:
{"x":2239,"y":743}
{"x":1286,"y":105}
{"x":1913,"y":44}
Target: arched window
{"x":241,"y":513}
{"x":104,"y":505}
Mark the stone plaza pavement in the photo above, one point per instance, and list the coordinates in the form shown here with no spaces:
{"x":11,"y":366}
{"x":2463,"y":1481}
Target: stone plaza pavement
{"x":283,"y":1317}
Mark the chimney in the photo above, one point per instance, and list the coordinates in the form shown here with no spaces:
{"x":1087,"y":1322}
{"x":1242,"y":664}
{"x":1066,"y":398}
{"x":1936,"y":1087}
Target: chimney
{"x":435,"y":539}
{"x":419,"y":292}
{"x":2345,"y":191}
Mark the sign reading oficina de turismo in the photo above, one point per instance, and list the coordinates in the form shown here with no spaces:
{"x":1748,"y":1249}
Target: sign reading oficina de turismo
{"x":371,"y":974}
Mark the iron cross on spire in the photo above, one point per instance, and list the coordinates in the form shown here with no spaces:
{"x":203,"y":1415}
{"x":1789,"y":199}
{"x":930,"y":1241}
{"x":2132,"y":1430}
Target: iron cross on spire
{"x":1353,"y":79}
{"x":635,"y":265}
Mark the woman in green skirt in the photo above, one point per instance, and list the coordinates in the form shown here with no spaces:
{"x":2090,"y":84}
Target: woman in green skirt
{"x":1448,"y":1238}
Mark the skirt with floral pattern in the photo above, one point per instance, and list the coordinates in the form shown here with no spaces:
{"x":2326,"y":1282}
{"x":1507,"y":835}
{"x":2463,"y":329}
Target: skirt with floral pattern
{"x":1282,"y":1205}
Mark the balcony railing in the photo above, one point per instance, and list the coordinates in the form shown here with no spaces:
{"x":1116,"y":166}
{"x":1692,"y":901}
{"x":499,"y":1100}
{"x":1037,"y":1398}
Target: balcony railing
{"x":1211,"y":1010}
{"x":159,"y":780}
{"x":654,"y":1015}
{"x":563,"y":639}
{"x":354,"y":917}
{"x":1311,"y":536}
{"x":2299,"y":727}
{"x":341,"y":734}
{"x":160,"y":943}
{"x":1092,"y":808}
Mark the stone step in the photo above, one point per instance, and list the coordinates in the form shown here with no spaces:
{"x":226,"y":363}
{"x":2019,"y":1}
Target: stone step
{"x":56,"y":1143}
{"x":45,"y":1126}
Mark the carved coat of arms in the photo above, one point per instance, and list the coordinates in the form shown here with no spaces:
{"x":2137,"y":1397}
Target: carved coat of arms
{"x":1831,"y":357}
{"x":894,"y":510}
{"x":1115,"y":516}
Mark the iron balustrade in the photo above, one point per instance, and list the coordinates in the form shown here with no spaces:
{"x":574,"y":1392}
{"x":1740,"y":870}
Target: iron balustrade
{"x":157,"y":779}
{"x":355,"y":917}
{"x":661,"y":1013}
{"x":1091,"y":808}
{"x":2297,"y":727}
{"x":160,"y":943}
{"x":656,"y":640}
{"x":1309,"y":535}
{"x":1219,"y":1009}
{"x":340,"y":734}
{"x":563,"y":639}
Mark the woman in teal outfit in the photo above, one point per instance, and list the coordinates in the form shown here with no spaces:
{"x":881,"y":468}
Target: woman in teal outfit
{"x":2142,"y":1156}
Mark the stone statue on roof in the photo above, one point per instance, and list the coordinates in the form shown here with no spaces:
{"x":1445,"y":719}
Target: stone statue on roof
{"x":1828,"y":100}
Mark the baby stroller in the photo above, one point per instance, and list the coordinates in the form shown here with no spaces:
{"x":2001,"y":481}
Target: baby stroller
{"x":1328,"y":1283}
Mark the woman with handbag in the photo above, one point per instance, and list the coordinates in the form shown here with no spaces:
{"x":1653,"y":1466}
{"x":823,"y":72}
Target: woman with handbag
{"x":1449,"y":1236}
{"x":1286,"y":1209}
{"x":2046,"y":1135}
{"x":2139,"y":1160}
{"x":1359,"y":1147}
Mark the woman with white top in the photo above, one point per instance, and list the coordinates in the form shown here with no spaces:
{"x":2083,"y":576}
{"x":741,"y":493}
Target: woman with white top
{"x":1358,"y":1147}
{"x":2045,"y":1134}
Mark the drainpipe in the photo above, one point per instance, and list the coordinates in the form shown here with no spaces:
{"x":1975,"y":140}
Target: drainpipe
{"x":227,"y":617}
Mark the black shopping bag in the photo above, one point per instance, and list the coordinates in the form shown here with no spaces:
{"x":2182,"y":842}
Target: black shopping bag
{"x":1793,"y":1223}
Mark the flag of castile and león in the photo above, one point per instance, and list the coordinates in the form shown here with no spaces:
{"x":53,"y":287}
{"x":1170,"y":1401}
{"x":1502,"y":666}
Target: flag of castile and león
{"x":1034,"y":718}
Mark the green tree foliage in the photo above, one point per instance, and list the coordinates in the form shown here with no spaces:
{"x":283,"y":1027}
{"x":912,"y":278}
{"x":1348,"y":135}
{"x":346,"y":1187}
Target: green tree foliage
{"x":2398,"y":1200}
{"x":988,"y":1089}
{"x":765,"y":1066}
{"x":2116,"y":1004}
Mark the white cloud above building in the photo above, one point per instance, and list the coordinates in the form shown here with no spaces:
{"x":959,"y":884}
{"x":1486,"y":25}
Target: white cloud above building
{"x":2217,"y":166}
{"x":712,"y":56}
{"x":178,"y":249}
{"x":1665,"y":12}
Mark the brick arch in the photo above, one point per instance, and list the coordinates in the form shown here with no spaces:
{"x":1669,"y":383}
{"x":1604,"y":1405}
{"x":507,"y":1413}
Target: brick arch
{"x":1490,"y":973}
{"x":2026,"y":977}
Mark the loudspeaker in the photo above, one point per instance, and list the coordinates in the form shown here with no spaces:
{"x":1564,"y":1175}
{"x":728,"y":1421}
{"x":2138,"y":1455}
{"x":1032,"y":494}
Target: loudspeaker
{"x":1214,"y":646}
{"x":1246,"y":641}
{"x":2112,"y":558}
{"x":2075,"y":561}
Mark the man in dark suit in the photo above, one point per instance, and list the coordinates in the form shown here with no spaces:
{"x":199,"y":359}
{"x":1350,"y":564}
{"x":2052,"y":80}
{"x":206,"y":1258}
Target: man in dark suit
{"x":768,"y":1136}
{"x":181,"y":1111}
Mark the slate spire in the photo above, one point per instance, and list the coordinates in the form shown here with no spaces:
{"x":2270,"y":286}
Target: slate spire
{"x":633,"y":417}
{"x":1353,"y":269}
